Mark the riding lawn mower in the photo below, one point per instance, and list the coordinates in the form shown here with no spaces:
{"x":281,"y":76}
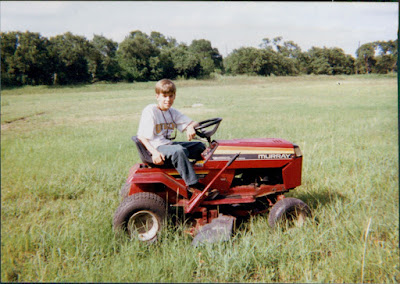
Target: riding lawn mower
{"x":241,"y":177}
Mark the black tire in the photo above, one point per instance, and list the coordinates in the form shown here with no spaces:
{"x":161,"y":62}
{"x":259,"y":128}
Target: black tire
{"x":140,"y":215}
{"x":291,"y":210}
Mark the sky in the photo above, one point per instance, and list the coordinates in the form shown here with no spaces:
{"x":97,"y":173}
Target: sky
{"x":227,"y":25}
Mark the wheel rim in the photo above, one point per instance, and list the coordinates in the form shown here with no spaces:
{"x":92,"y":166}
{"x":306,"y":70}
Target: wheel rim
{"x":144,"y":225}
{"x":296,"y":217}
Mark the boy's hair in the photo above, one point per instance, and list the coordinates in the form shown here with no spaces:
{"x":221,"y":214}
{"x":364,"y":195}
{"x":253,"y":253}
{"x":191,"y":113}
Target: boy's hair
{"x":165,"y":86}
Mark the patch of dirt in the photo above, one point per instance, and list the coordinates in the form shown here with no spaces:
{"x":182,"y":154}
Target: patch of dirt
{"x":9,"y":122}
{"x":24,"y":117}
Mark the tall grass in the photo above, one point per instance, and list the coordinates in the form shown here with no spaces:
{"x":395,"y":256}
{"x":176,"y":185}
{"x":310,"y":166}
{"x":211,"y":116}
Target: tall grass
{"x":65,"y":153}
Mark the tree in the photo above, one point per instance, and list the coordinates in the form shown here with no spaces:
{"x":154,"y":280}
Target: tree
{"x":135,"y":54}
{"x":329,"y":61}
{"x":186,"y":63}
{"x":9,"y":44}
{"x":70,"y":54}
{"x":25,"y":59}
{"x":304,"y":61}
{"x":283,"y":66}
{"x":386,"y":61}
{"x":385,"y":64}
{"x":365,"y":58}
{"x":103,"y":64}
{"x":162,"y":66}
{"x":161,"y":42}
{"x":318,"y":62}
{"x":287,"y":57}
{"x":264,"y":61}
{"x":250,"y":61}
{"x":209,"y":57}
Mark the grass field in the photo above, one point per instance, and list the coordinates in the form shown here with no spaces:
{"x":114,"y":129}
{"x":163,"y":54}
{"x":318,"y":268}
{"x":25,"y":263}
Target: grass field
{"x":66,"y":152}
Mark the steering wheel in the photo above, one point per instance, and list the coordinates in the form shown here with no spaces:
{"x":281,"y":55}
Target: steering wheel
{"x":201,"y":128}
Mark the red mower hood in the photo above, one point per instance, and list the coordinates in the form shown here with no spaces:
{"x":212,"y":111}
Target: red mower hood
{"x":256,"y":142}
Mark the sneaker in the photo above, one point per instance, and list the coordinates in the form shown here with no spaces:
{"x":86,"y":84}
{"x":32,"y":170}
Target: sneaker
{"x":191,"y":190}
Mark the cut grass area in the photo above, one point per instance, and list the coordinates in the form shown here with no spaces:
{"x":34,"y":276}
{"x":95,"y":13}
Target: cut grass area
{"x":66,"y":151}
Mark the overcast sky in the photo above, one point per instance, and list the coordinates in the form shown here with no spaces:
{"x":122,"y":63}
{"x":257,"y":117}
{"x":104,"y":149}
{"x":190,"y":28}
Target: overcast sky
{"x":227,"y":25}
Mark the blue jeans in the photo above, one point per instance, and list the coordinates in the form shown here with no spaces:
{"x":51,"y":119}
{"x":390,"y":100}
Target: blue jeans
{"x":179,"y":154}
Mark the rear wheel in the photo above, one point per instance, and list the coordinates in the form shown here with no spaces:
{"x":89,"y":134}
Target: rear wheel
{"x":289,"y":212}
{"x":141,"y":216}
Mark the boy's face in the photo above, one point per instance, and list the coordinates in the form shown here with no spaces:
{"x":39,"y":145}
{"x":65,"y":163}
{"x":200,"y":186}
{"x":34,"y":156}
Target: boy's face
{"x":165,"y":101}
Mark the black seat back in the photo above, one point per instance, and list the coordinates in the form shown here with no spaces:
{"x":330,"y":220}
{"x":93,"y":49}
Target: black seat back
{"x":144,"y":154}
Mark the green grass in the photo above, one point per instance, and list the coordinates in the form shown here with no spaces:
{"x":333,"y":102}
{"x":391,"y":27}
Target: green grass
{"x":66,"y":151}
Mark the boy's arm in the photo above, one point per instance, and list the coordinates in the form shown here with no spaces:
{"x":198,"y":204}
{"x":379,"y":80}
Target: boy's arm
{"x":190,"y":132}
{"x":158,"y":158}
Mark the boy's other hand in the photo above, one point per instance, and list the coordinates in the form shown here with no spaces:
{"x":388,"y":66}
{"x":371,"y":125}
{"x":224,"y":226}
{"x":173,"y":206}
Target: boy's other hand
{"x":158,"y":158}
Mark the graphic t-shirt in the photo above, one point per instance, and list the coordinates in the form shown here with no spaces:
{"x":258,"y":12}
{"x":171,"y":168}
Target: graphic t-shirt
{"x":156,"y":125}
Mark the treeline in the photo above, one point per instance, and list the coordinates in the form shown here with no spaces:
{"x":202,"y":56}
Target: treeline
{"x":27,"y":58}
{"x":287,"y":58}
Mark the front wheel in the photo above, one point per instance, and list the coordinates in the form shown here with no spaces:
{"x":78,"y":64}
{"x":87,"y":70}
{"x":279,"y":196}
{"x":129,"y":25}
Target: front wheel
{"x":291,"y":210}
{"x":125,"y":190}
{"x":140,"y":215}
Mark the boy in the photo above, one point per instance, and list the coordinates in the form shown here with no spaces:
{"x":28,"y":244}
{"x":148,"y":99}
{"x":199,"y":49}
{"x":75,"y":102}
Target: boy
{"x":156,"y":127}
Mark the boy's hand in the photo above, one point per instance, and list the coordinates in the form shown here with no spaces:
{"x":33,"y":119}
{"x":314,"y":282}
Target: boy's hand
{"x":190,"y":132}
{"x":158,"y":158}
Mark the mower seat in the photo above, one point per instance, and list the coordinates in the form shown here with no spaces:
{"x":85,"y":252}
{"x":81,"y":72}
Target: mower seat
{"x":144,"y":154}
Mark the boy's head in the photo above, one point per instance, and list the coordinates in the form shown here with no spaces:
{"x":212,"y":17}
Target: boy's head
{"x":165,"y":86}
{"x":165,"y":94}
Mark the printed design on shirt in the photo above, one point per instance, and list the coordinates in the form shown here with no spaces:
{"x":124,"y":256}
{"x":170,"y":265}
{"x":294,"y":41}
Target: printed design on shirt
{"x":164,"y":126}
